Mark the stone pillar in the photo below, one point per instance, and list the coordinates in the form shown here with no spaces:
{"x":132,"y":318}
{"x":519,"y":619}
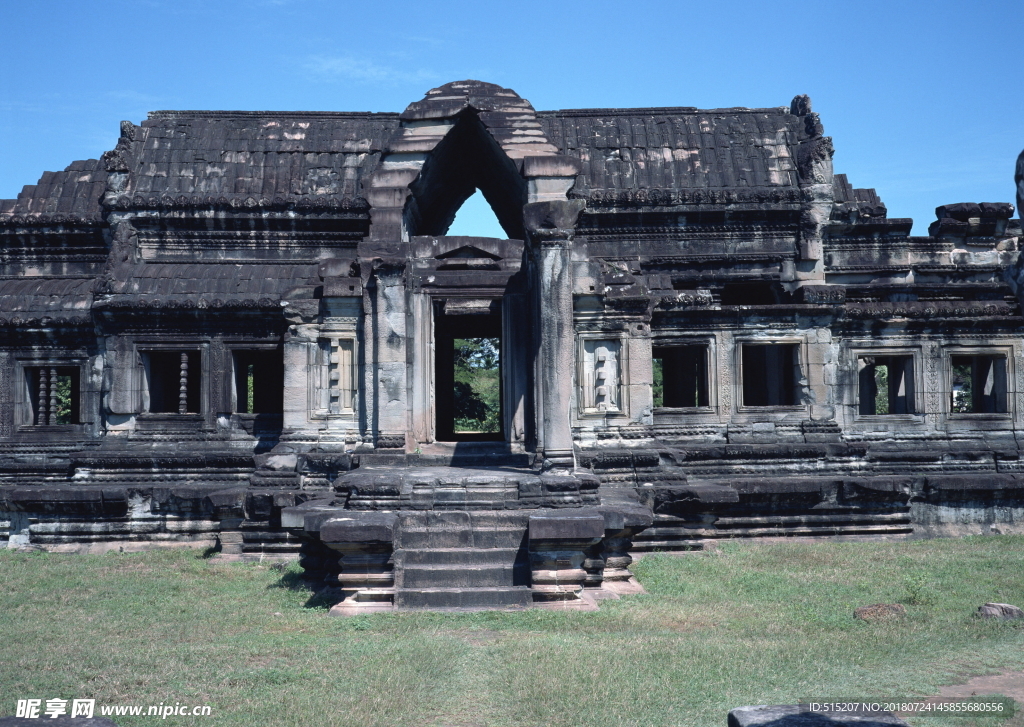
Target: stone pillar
{"x":365,"y":542}
{"x":550,"y":226}
{"x":7,"y":394}
{"x":389,"y":367}
{"x":303,"y":315}
{"x":228,"y":508}
{"x":559,"y":543}
{"x":622,"y":522}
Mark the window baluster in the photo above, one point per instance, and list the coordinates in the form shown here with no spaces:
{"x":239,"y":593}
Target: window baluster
{"x":183,"y":386}
{"x":44,"y":397}
{"x":52,"y":419}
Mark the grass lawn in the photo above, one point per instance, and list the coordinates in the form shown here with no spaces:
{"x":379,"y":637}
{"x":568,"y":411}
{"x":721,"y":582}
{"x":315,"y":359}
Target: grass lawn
{"x":753,"y":623}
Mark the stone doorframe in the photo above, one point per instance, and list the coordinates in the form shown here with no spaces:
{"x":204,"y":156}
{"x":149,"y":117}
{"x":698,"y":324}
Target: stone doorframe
{"x":514,"y":365}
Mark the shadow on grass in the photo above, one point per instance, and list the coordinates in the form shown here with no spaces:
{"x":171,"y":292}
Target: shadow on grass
{"x":322,"y":597}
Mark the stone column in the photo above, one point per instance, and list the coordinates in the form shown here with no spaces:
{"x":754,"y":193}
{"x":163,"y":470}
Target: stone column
{"x":7,"y":395}
{"x":303,"y":316}
{"x":559,"y":543}
{"x":228,"y":508}
{"x":389,"y":366}
{"x":550,"y":228}
{"x":365,"y":542}
{"x":622,"y":521}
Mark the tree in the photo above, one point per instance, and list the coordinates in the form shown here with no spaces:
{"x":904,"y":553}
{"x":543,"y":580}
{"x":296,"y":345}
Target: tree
{"x":477,"y":405}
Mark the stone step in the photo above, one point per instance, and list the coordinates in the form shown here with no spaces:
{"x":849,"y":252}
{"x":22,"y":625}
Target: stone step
{"x":461,"y":576}
{"x":464,"y":598}
{"x":472,"y":459}
{"x":423,"y":538}
{"x":456,"y":556}
{"x":460,"y":519}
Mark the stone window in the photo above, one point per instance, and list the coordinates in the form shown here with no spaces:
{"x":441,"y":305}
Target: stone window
{"x":337,"y":389}
{"x":173,"y":380}
{"x":600,"y":375}
{"x":886,"y":385}
{"x":259,"y":382}
{"x":977,"y":384}
{"x":53,"y":395}
{"x":681,"y":376}
{"x":770,"y":374}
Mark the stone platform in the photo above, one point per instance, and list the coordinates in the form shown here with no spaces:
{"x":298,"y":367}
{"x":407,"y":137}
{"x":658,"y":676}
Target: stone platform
{"x":462,"y":488}
{"x":462,"y":539}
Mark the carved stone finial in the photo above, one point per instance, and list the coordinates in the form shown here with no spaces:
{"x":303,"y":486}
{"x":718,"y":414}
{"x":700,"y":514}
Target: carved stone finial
{"x":1018,"y":177}
{"x":114,"y":161}
{"x":128,"y":130}
{"x":800,"y":105}
{"x":812,"y":125}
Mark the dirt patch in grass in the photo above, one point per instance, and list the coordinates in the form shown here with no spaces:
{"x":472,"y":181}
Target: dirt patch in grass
{"x":1009,"y":684}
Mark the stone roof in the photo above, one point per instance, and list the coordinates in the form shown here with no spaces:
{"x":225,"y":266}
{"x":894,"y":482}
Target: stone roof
{"x":162,"y":282}
{"x":861,"y":202}
{"x":73,"y":195}
{"x":679,"y":148}
{"x":284,"y":156}
{"x":324,"y":160}
{"x":41,"y":297}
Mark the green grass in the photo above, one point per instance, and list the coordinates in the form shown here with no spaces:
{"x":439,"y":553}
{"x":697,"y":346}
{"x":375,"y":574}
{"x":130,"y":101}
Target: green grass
{"x":750,"y":624}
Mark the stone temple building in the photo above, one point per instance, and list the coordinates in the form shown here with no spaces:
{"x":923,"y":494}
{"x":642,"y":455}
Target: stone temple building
{"x":250,"y":330}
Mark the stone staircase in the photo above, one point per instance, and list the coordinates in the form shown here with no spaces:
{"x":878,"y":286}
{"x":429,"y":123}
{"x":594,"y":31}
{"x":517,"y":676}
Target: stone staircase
{"x":449,"y":539}
{"x":462,"y":560}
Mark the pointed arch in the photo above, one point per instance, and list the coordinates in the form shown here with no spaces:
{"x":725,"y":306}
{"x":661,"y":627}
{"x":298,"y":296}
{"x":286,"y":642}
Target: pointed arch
{"x":476,"y":218}
{"x":464,"y":136}
{"x":466,"y":159}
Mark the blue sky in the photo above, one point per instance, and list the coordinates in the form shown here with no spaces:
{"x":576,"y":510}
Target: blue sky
{"x":922,"y":99}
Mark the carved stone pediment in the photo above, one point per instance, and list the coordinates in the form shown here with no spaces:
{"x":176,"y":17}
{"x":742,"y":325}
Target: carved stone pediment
{"x":468,"y":252}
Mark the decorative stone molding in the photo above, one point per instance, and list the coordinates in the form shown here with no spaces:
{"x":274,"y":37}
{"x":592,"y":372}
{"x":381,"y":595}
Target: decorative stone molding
{"x":559,"y":541}
{"x":365,"y":543}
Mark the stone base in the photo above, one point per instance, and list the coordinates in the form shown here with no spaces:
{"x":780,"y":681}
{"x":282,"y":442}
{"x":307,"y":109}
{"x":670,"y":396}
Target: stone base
{"x":369,"y":600}
{"x":601,"y":594}
{"x":254,"y":557}
{"x":476,"y":598}
{"x":116,"y":546}
{"x":557,"y":598}
{"x":623,"y":587}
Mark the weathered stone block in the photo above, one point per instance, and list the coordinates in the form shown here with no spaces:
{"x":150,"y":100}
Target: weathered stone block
{"x":359,"y":528}
{"x":800,"y":716}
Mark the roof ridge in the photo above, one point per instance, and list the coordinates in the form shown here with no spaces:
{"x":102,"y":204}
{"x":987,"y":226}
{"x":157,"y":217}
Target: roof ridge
{"x":170,"y":113}
{"x":662,"y":110}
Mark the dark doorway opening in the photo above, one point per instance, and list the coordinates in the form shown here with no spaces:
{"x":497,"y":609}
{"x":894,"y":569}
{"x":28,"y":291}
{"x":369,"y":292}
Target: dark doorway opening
{"x":467,"y":376}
